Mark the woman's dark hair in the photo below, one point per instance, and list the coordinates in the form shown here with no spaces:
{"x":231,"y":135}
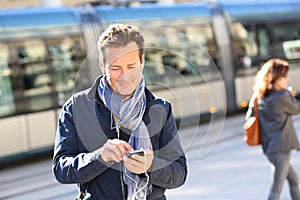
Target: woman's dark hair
{"x":271,"y":71}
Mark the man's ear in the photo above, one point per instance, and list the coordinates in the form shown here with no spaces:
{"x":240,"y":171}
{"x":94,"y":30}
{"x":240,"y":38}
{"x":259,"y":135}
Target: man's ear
{"x":102,"y":67}
{"x":143,"y":62}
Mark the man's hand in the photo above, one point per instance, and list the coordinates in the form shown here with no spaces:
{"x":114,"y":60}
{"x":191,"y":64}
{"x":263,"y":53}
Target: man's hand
{"x":114,"y":150}
{"x":136,"y":163}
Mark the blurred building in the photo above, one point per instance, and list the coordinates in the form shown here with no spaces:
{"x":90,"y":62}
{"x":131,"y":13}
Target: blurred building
{"x":36,"y":3}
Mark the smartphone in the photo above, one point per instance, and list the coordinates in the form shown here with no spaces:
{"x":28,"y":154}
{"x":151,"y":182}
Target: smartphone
{"x":138,"y":152}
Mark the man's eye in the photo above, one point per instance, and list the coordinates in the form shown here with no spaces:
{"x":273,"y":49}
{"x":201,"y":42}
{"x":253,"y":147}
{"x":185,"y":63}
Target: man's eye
{"x":114,"y":69}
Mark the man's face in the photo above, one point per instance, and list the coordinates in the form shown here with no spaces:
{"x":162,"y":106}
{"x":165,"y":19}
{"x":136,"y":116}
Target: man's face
{"x":123,"y":68}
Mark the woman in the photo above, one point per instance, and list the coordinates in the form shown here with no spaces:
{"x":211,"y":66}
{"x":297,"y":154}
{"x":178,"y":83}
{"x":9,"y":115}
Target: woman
{"x":276,"y":106}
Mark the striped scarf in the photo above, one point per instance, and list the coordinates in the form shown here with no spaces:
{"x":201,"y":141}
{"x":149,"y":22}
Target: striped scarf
{"x":130,"y":111}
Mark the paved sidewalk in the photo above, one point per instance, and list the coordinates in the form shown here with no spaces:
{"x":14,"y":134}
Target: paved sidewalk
{"x":221,"y":167}
{"x":232,"y":170}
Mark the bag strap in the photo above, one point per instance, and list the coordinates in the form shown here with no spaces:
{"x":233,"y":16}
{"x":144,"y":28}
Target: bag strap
{"x":83,"y":187}
{"x":255,"y":104}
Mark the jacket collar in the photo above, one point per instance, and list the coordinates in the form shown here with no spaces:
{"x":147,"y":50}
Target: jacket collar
{"x":92,"y":93}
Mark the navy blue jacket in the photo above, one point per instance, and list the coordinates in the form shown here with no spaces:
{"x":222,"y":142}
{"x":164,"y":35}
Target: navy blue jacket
{"x":85,"y":124}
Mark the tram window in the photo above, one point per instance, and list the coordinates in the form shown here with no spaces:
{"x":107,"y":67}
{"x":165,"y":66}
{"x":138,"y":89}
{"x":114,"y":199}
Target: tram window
{"x":174,"y":55}
{"x":66,"y":55}
{"x":31,"y":78}
{"x":198,"y":52}
{"x":155,"y":46}
{"x":264,"y":44}
{"x":202,"y":48}
{"x":287,"y":39}
{"x":245,"y":48}
{"x":7,"y":105}
{"x":176,"y":58}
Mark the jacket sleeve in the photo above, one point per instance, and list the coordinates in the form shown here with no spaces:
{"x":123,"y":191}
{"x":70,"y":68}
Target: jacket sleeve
{"x":169,"y":169}
{"x":69,"y":164}
{"x":290,"y":104}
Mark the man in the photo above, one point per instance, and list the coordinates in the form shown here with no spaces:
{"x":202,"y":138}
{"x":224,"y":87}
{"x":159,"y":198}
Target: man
{"x":99,"y":126}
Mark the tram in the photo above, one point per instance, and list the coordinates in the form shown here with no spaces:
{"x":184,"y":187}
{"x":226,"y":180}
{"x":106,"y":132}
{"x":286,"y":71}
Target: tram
{"x":201,"y":56}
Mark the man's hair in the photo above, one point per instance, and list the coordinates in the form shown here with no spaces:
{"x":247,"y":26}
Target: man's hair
{"x":120,"y":35}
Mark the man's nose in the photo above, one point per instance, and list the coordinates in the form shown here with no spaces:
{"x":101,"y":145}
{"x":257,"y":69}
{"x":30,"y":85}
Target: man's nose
{"x":124,"y":71}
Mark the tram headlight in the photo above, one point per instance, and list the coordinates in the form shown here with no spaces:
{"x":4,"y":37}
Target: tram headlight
{"x":213,"y":110}
{"x":244,"y":104}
